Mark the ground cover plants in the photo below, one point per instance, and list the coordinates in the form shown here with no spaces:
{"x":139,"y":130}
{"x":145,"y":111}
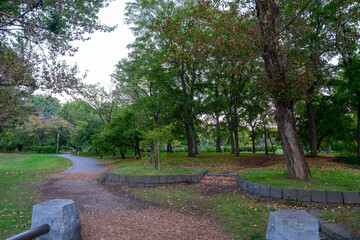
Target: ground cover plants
{"x":19,"y":176}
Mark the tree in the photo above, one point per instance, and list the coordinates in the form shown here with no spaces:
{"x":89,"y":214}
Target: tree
{"x":279,"y":53}
{"x":159,"y":136}
{"x":32,"y":35}
{"x":45,"y":106}
{"x":40,"y":128}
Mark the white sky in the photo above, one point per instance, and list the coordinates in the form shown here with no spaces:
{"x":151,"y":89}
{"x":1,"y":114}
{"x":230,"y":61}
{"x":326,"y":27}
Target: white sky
{"x":100,"y":54}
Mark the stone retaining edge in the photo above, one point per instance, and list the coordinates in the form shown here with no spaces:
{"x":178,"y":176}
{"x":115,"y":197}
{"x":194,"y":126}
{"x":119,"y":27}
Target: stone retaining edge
{"x":331,"y":230}
{"x":300,"y":195}
{"x":151,"y":181}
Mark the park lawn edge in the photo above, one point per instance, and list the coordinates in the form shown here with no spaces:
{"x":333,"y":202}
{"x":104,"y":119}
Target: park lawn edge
{"x":341,"y":179}
{"x":19,"y":190}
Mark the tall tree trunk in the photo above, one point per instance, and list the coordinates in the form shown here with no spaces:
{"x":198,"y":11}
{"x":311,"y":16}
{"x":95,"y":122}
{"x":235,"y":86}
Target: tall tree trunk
{"x":138,"y":149}
{"x":169,"y":147}
{"x":253,"y":139}
{"x":358,"y":124}
{"x":231,"y":132}
{"x":135,"y":151}
{"x":313,"y":133}
{"x":195,"y":148}
{"x":122,"y":155}
{"x":294,"y":154}
{"x":265,"y":141}
{"x":189,"y":140}
{"x":275,"y":62}
{"x":236,"y":134}
{"x":329,"y":149}
{"x":218,"y":136}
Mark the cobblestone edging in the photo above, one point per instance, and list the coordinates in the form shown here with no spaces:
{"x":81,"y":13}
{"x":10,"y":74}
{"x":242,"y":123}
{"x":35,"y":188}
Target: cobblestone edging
{"x":299,"y":195}
{"x":149,"y":181}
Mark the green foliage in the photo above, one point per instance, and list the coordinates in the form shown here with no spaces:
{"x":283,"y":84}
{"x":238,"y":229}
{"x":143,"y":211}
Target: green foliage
{"x":348,"y":160}
{"x":19,"y":177}
{"x":42,"y":149}
{"x":33,"y":35}
{"x":45,"y":106}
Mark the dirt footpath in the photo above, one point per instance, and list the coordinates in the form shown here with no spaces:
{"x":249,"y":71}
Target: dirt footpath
{"x":106,"y":212}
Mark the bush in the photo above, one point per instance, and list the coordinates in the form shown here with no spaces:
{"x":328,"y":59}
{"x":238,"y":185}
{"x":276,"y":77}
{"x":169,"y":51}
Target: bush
{"x":42,"y":149}
{"x":348,"y":160}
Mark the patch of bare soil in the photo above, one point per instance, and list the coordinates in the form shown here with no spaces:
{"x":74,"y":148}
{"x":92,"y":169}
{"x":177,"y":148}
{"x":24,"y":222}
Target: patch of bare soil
{"x":107,"y":212}
{"x":211,"y":185}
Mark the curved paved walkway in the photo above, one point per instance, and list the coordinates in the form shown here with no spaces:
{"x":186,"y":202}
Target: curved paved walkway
{"x":84,"y":164}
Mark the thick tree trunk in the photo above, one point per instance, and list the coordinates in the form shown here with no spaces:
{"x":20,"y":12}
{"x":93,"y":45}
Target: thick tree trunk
{"x":329,"y":149}
{"x":231,"y":132}
{"x":265,"y":141}
{"x":293,"y":151}
{"x":137,"y":147}
{"x":236,"y":134}
{"x":253,"y":139}
{"x":122,"y":155}
{"x":195,"y":148}
{"x":169,"y":147}
{"x":313,"y":133}
{"x":275,"y":61}
{"x":218,"y":136}
{"x":189,"y":142}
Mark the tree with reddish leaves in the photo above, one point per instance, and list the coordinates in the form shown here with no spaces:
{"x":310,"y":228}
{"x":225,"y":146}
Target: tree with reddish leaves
{"x":33,"y":34}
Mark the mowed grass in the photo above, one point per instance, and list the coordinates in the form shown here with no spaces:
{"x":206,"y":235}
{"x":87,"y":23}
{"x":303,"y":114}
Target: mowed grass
{"x":214,"y":162}
{"x":138,"y":169}
{"x":19,"y":175}
{"x":340,"y":179}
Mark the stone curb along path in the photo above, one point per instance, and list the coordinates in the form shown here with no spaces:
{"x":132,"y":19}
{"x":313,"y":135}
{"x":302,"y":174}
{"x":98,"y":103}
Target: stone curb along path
{"x":150,"y":181}
{"x":332,"y":230}
{"x":300,"y":195}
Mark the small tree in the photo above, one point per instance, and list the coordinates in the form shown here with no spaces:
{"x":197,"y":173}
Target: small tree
{"x":158,"y":135}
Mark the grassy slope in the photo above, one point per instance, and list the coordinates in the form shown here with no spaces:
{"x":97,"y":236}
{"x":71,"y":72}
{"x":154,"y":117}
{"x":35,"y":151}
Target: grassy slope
{"x":19,"y":175}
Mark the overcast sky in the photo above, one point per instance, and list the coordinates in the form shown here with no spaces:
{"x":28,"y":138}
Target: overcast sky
{"x":100,"y":54}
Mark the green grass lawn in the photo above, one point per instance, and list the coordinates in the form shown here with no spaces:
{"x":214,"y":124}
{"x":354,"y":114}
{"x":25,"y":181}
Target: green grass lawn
{"x":214,"y":162}
{"x":19,"y":175}
{"x":138,"y":169}
{"x":341,"y":179}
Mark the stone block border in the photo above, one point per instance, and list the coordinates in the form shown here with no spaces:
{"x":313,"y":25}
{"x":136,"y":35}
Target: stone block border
{"x":299,"y":195}
{"x":152,"y":181}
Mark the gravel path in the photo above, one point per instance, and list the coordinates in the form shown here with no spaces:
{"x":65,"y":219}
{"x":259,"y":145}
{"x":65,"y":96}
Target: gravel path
{"x":107,"y":212}
{"x":84,"y":164}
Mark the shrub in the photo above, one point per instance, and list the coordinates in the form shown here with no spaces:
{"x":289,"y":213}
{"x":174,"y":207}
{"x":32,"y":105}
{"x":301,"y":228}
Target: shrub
{"x":348,"y":160}
{"x":42,"y":149}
